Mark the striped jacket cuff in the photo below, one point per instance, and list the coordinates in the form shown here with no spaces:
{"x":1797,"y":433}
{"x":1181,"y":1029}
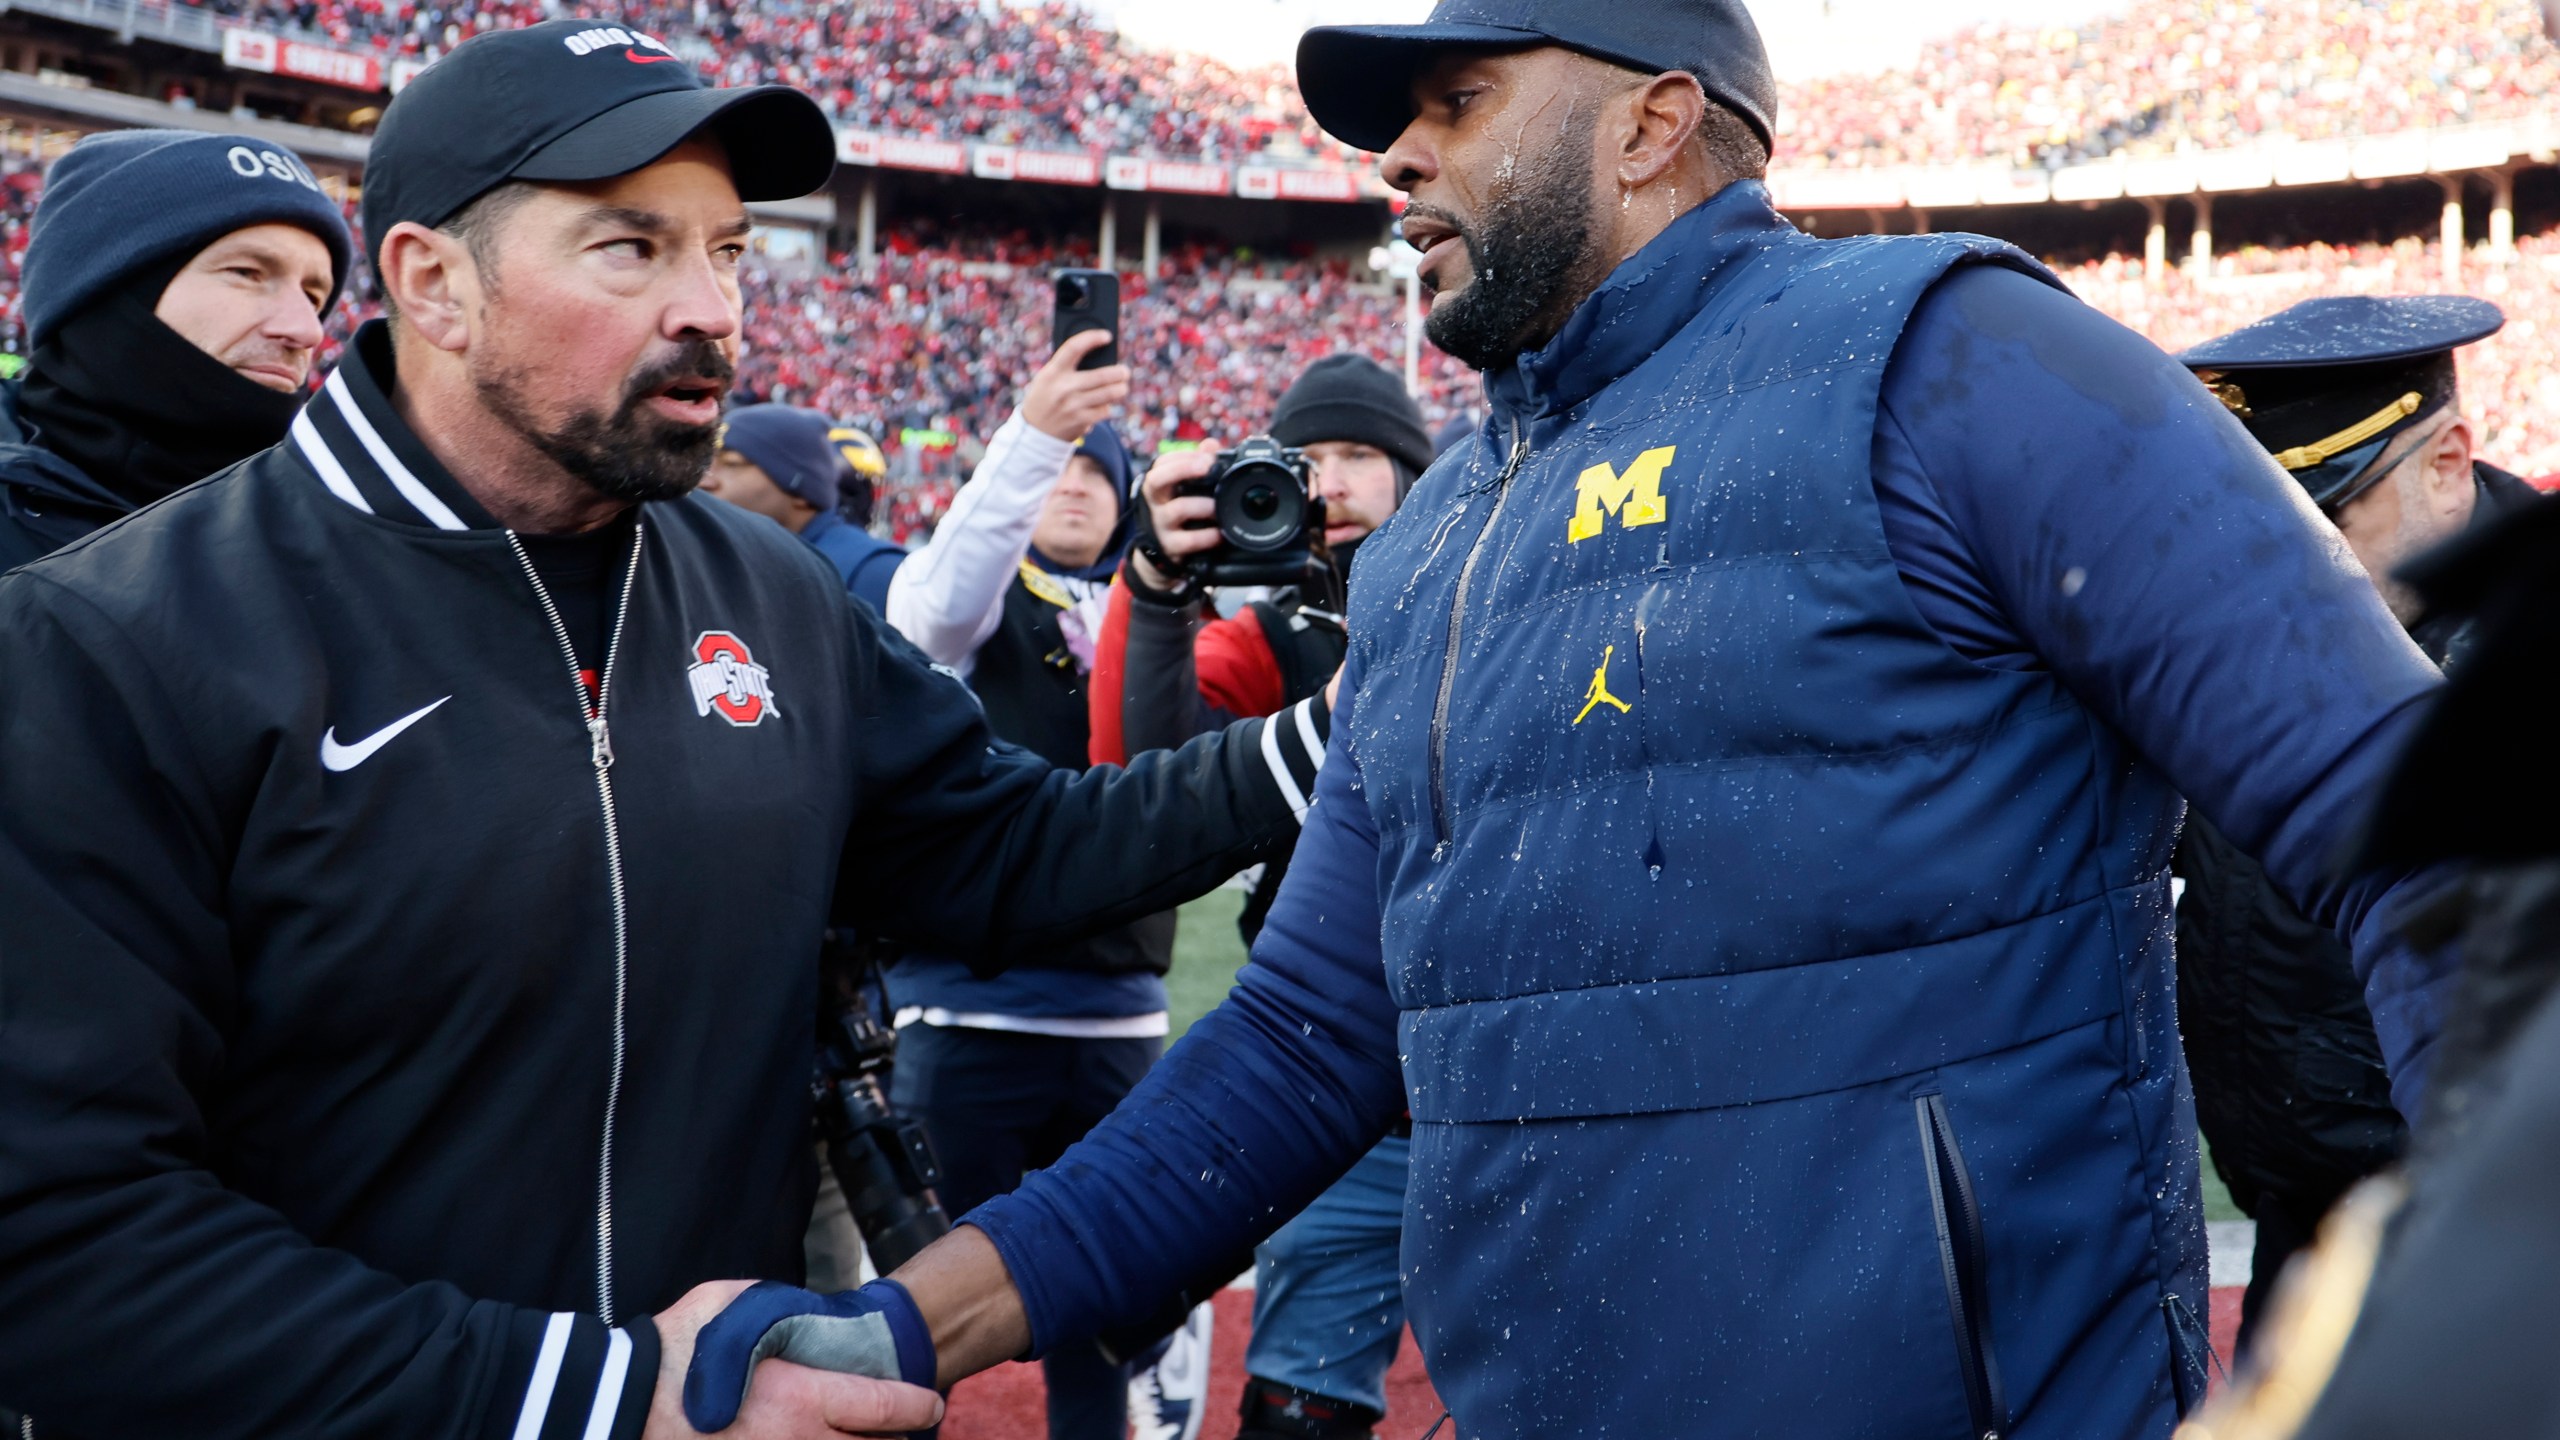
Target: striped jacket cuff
{"x":568,"y":1377}
{"x":1293,"y":746}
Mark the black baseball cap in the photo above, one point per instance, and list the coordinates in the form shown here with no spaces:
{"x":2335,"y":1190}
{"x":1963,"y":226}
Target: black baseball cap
{"x":1357,"y":80}
{"x":572,"y":100}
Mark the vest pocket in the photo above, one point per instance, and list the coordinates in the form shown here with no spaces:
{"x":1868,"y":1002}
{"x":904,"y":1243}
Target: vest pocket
{"x":1961,"y":1259}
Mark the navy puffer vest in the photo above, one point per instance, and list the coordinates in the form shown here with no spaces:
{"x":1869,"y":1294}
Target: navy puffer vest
{"x":1787,"y":1005}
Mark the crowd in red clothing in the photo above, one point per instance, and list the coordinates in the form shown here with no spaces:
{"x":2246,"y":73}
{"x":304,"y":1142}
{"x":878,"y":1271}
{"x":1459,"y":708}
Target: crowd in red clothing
{"x":2167,"y":75}
{"x":930,"y":351}
{"x":2160,"y":75}
{"x":2510,"y":390}
{"x":1036,"y":74}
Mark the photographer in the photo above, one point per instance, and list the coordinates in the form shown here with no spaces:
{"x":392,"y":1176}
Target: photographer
{"x":1005,"y":1072}
{"x":1328,"y":1310}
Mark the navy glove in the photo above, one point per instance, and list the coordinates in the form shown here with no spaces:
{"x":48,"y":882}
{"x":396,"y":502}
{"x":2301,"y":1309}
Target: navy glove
{"x":875,"y":1331}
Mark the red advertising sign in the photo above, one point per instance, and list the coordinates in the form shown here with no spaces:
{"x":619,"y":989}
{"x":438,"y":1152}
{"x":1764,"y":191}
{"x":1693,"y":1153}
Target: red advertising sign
{"x":947,"y":157}
{"x":249,"y":50}
{"x":301,"y":60}
{"x":1258,"y":182}
{"x":1319,"y":185}
{"x":1057,"y":169}
{"x":305,"y":61}
{"x":1184,"y":178}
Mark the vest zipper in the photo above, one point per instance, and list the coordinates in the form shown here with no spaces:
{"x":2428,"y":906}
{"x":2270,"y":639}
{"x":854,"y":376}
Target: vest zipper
{"x":600,"y":755}
{"x":1457,"y":632}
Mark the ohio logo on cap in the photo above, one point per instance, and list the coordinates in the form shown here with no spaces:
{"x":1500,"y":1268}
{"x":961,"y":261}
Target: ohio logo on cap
{"x":726,"y":679}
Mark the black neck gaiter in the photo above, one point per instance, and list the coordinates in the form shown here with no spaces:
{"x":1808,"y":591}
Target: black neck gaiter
{"x":138,"y":408}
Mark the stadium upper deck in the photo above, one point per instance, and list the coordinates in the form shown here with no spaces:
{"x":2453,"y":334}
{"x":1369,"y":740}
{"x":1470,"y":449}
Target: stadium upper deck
{"x":2156,"y":77}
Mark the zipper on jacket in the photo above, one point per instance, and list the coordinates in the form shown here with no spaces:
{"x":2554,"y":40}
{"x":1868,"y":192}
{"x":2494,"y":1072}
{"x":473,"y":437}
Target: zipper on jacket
{"x":1457,"y":633}
{"x":600,"y":755}
{"x":1952,"y":1204}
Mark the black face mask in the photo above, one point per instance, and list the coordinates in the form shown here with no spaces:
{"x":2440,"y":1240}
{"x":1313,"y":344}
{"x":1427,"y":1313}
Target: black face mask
{"x":139,"y":408}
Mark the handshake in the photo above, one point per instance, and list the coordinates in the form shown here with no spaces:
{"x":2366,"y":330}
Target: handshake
{"x":874,"y":1332}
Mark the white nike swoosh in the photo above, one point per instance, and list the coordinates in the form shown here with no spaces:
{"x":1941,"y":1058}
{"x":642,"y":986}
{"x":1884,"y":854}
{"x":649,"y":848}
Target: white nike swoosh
{"x":335,"y":756}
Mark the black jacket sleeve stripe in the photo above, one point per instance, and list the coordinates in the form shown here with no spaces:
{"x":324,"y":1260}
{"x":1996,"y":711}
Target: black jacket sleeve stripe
{"x":584,"y":1382}
{"x":1293,"y":748}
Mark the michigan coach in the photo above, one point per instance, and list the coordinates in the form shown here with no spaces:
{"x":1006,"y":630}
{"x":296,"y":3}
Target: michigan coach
{"x":415,"y":842}
{"x":1745,"y":847}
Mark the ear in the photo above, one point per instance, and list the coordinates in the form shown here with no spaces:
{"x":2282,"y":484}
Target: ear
{"x":2449,"y":476}
{"x":432,"y":281}
{"x":1666,"y":112}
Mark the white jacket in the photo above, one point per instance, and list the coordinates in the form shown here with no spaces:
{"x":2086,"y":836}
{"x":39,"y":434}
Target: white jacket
{"x":948,"y":597}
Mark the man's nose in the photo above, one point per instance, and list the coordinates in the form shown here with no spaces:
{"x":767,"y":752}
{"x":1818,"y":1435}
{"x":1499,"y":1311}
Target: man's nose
{"x":294,"y":324}
{"x":1413,"y":160}
{"x":703,"y":302}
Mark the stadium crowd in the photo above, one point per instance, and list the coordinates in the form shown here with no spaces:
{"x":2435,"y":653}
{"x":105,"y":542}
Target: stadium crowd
{"x":2158,"y":76}
{"x":927,"y":351}
{"x":2171,"y":75}
{"x":1036,"y":75}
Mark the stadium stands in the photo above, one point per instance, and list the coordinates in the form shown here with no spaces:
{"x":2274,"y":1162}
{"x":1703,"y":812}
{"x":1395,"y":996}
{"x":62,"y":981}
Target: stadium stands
{"x":1027,"y":74}
{"x":2171,"y":75}
{"x":2158,"y":76}
{"x":930,"y":351}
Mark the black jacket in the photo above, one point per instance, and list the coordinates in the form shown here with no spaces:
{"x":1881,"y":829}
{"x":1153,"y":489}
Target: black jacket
{"x":2291,"y":1092}
{"x":46,"y":502}
{"x":363,"y":1038}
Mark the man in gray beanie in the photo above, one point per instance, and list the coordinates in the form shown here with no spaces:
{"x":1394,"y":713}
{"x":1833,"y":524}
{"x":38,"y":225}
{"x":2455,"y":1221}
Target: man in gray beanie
{"x":175,"y":288}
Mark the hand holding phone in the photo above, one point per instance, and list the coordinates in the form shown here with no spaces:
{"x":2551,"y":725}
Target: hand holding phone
{"x":1088,"y":300}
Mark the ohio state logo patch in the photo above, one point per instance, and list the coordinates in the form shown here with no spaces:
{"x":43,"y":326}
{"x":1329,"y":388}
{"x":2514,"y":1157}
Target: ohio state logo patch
{"x":728,"y":682}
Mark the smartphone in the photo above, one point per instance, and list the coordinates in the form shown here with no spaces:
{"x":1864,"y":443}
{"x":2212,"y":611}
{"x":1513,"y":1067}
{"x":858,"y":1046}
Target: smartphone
{"x":1088,"y":300}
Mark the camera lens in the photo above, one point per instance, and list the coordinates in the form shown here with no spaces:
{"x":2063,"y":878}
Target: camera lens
{"x":1074,"y":293}
{"x":1261,"y":507}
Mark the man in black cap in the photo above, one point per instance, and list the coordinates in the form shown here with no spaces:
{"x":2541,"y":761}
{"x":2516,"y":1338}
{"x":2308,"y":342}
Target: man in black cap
{"x":416,"y":843}
{"x":1328,"y":1312}
{"x":175,"y":288}
{"x":2355,"y":396}
{"x":1747,"y":852}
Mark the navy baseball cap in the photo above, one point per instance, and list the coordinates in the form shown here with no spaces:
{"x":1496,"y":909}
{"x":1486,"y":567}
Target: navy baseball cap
{"x":792,"y":446}
{"x":2328,"y":384}
{"x":576,"y":100}
{"x":1357,"y":80}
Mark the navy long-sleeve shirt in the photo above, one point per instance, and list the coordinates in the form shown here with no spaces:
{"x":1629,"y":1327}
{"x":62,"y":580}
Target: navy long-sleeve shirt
{"x":2057,"y":494}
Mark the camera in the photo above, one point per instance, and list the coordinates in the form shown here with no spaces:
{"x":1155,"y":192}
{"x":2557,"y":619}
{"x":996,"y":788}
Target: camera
{"x":1267,"y":514}
{"x":881,"y":1159}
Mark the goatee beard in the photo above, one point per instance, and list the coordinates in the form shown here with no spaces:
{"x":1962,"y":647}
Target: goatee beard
{"x":1530,"y":252}
{"x":627,"y":454}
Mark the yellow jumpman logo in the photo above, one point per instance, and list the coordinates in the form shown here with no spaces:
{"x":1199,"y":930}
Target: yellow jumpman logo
{"x":1600,"y":689}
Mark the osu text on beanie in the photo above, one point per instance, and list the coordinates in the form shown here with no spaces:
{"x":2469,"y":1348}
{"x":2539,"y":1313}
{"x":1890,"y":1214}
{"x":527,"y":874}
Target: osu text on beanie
{"x":127,"y":201}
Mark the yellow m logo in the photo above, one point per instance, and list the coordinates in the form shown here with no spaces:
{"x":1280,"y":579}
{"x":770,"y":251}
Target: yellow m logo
{"x":1635,"y":497}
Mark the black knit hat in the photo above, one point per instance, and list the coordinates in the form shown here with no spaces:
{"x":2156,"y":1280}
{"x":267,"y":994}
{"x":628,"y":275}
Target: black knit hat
{"x":1351,"y":397}
{"x":126,"y":203}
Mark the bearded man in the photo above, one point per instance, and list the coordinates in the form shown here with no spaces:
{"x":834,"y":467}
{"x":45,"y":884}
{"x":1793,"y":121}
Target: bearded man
{"x":1747,"y":855}
{"x":416,"y":842}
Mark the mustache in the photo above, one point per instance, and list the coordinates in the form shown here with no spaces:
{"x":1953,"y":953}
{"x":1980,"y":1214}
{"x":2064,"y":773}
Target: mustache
{"x":694,"y":359}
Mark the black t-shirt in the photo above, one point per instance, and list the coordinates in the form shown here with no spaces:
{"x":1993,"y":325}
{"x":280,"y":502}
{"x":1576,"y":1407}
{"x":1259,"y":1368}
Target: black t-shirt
{"x":584,"y":574}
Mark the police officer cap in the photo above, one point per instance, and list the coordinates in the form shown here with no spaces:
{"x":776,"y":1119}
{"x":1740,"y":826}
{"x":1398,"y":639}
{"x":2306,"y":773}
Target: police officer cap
{"x":2327,"y":385}
{"x":1358,"y":79}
